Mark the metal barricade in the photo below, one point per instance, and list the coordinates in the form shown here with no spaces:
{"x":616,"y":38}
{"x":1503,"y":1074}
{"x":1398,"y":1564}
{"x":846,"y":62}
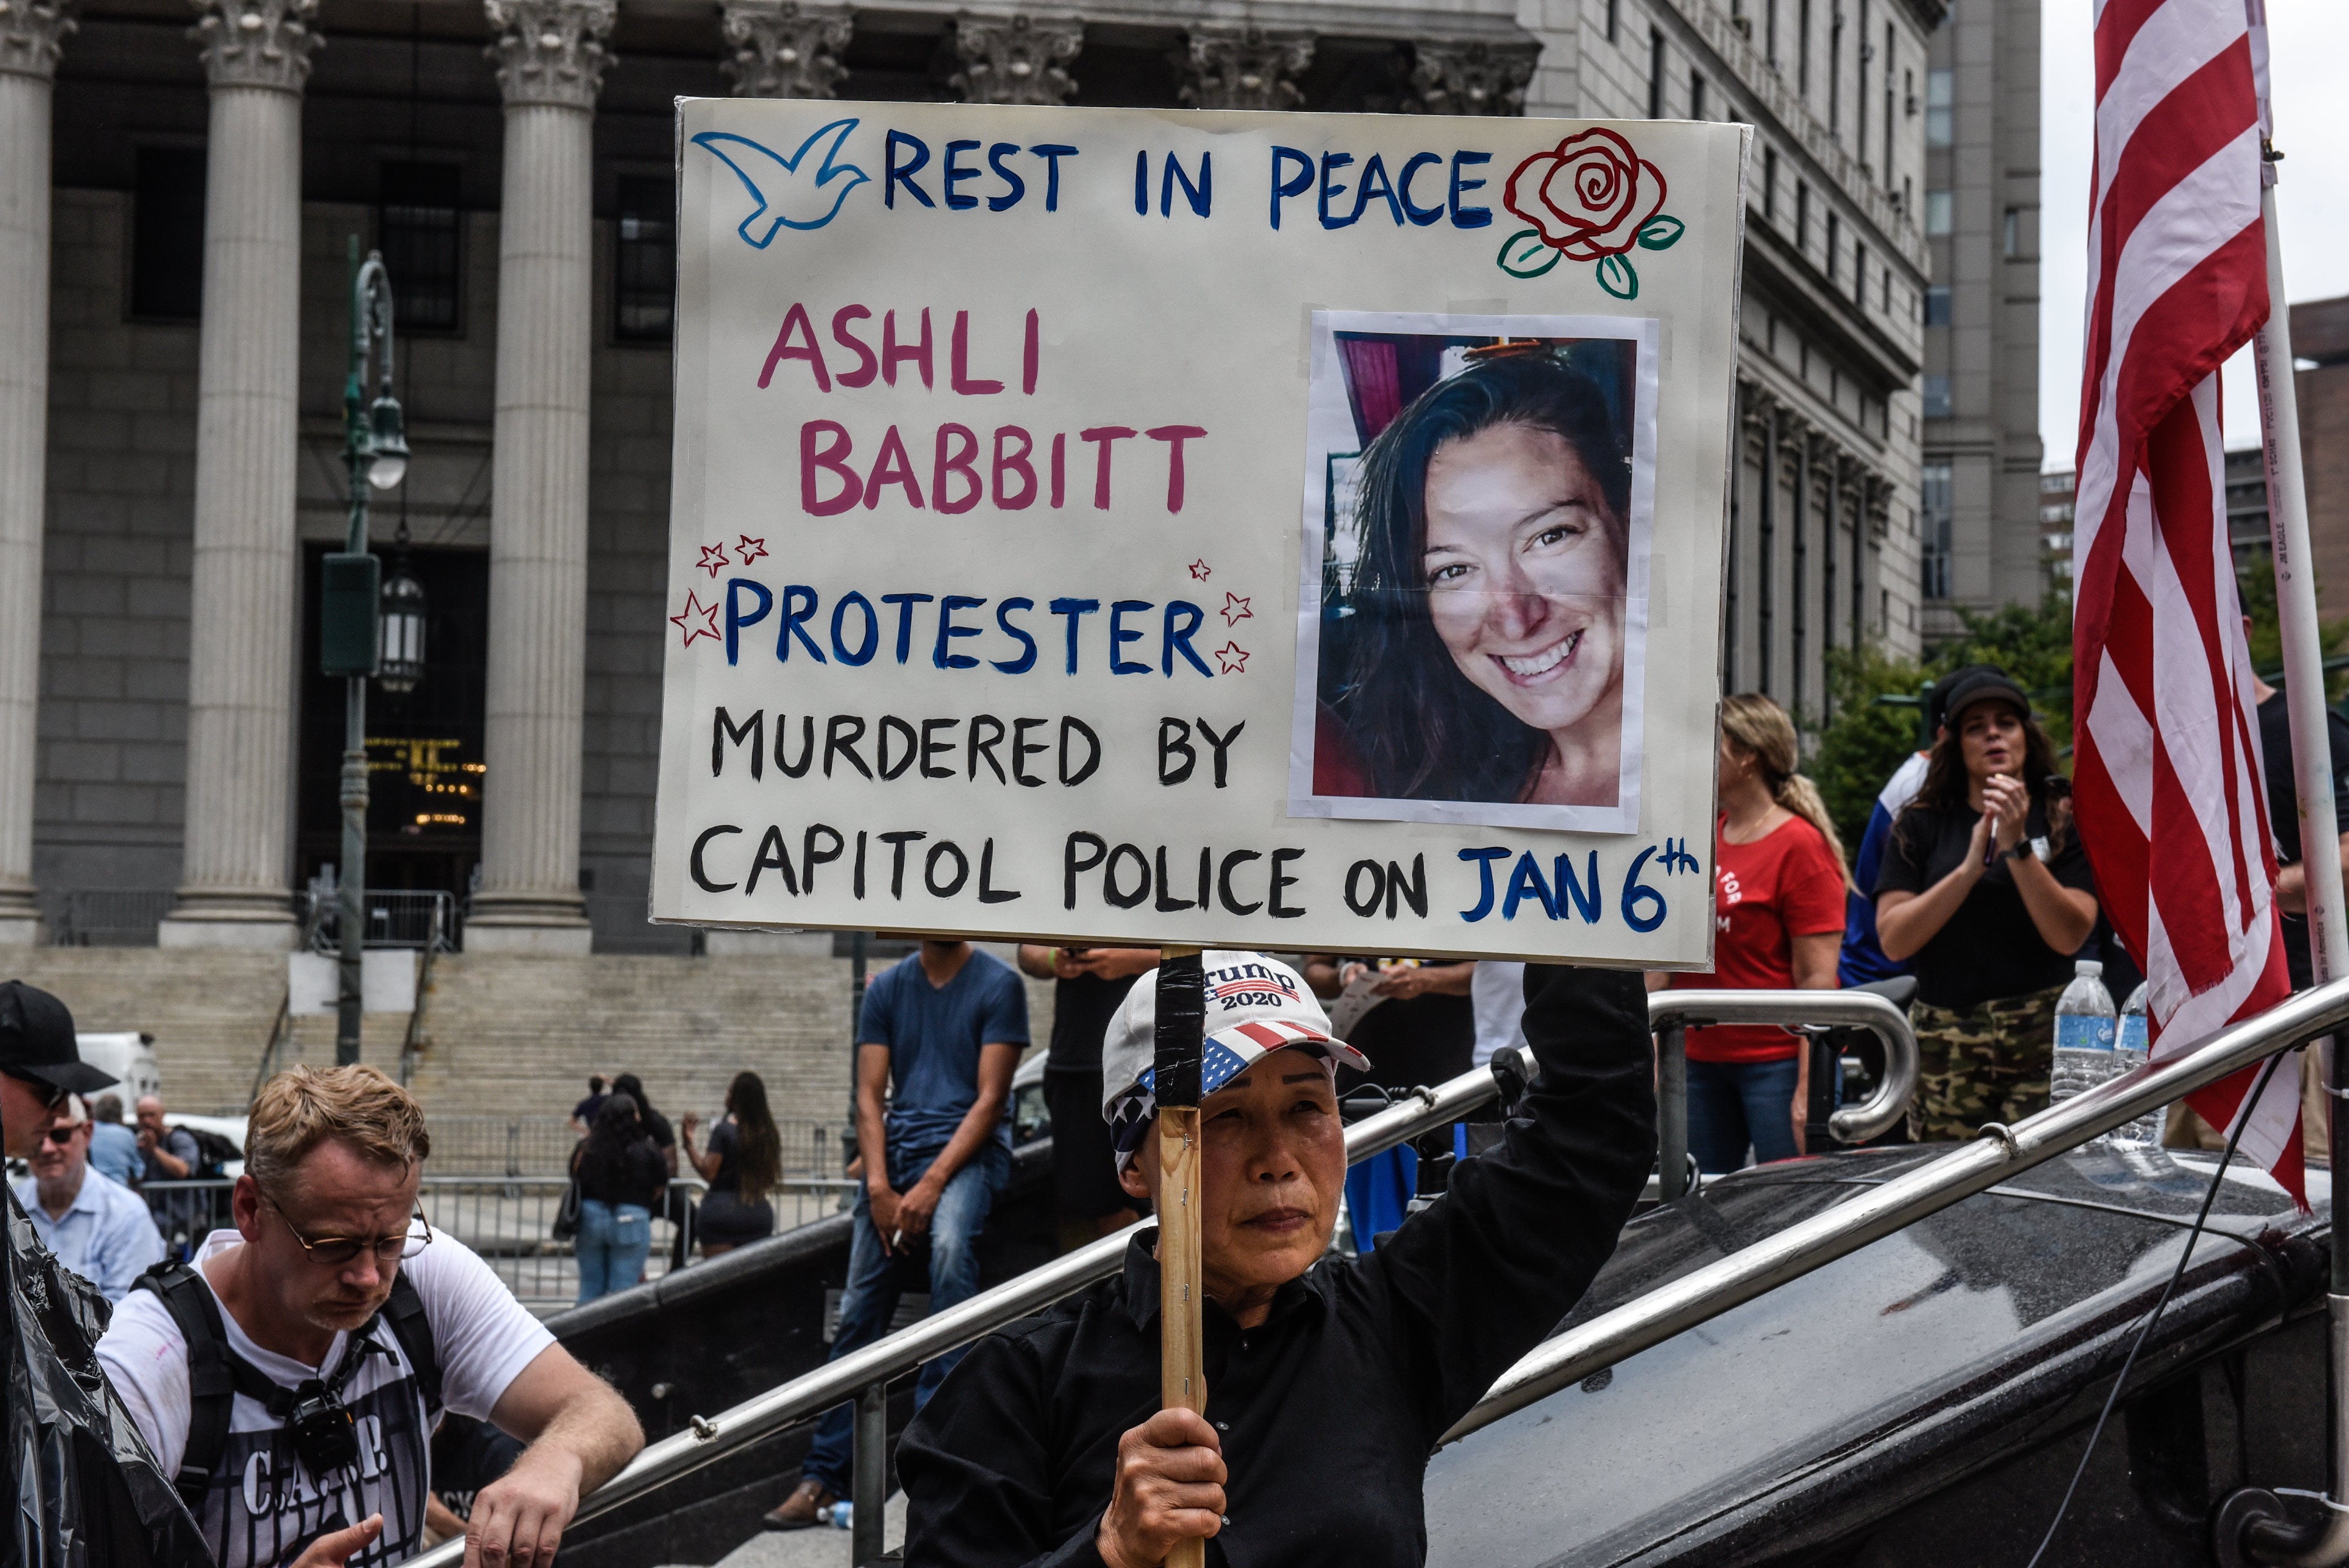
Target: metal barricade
{"x":396,"y":918}
{"x":541,"y":1146}
{"x":509,"y":1221}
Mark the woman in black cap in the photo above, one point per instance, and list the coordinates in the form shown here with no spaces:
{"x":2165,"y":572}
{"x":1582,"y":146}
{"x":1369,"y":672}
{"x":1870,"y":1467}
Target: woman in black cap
{"x":1985,"y":891}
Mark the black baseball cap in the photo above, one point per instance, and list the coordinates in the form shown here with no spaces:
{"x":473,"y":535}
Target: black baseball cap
{"x":1962,"y":688}
{"x":37,"y":1042}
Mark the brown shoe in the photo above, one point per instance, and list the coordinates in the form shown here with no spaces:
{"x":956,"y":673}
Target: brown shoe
{"x":803,"y":1508}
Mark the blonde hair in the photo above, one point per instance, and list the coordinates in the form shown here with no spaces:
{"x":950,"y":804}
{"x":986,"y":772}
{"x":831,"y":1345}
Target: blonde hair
{"x":356,"y":1106}
{"x":1755,"y":724}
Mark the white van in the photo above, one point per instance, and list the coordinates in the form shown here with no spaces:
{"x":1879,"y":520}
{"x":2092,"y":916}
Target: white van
{"x":130,"y":1056}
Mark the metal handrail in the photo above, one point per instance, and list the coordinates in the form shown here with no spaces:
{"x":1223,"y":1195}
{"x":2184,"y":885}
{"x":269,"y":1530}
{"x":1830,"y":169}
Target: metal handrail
{"x":1830,"y":1009}
{"x":710,"y":1439}
{"x":1996,"y":1156}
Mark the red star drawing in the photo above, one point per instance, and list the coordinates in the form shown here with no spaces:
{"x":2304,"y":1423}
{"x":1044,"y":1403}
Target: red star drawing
{"x":1201,"y":571}
{"x":713,"y":559}
{"x":1233,"y":658}
{"x":706,"y":616}
{"x":752,"y":549}
{"x":1235,"y":610}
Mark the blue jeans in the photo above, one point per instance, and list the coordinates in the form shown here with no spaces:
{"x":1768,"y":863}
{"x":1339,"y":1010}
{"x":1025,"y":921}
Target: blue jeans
{"x":614,"y":1242}
{"x":1733,"y":1104}
{"x":875,"y":1278}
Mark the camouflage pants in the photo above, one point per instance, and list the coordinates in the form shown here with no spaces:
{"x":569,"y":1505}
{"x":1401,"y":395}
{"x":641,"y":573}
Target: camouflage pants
{"x":1987,"y":1062}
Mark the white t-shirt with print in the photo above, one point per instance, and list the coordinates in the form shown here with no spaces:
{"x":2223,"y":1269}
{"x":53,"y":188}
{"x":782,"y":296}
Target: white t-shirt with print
{"x":263,"y":1501}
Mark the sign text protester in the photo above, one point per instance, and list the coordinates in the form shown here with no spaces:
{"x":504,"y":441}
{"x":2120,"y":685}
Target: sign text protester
{"x":1290,"y":531}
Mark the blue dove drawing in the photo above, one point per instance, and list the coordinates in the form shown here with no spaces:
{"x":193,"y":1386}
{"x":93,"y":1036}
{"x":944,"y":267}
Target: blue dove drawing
{"x":781,"y":186}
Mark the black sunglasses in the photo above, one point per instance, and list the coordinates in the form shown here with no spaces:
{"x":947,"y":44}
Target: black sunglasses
{"x":61,"y":1136}
{"x":52,"y":1096}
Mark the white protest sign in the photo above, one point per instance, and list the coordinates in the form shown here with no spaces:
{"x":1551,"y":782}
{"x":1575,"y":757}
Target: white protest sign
{"x":1287,"y":531}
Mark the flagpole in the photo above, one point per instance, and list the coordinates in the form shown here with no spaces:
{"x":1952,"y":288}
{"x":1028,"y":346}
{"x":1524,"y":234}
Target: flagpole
{"x":2304,"y":651}
{"x":2312,"y":764}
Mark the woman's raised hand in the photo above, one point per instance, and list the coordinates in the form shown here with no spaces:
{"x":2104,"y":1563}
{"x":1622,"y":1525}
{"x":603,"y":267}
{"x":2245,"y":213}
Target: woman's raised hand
{"x":2006,"y":804}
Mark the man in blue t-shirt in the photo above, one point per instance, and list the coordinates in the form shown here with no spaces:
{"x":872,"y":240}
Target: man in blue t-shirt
{"x":940,"y":1036}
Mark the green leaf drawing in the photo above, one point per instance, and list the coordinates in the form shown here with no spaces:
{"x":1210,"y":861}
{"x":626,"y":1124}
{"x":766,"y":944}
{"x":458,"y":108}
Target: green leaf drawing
{"x":1532,"y":258}
{"x":1658,"y":233}
{"x":1616,"y":276}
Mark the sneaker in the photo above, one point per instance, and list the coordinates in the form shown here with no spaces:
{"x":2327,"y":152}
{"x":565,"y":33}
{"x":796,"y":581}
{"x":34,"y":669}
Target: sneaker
{"x":803,"y":1509}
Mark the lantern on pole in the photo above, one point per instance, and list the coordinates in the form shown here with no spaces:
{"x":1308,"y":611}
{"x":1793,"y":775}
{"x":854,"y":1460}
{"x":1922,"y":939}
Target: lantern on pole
{"x":400,"y":662}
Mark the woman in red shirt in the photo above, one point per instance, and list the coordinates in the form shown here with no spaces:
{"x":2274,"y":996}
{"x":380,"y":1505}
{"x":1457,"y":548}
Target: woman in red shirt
{"x":1778,"y":911}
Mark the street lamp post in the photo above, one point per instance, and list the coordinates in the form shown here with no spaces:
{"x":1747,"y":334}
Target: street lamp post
{"x":375,"y":454}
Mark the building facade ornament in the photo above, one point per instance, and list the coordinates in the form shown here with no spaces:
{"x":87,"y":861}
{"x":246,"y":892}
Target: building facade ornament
{"x":1016,"y":59}
{"x":258,"y":43}
{"x":780,"y":48}
{"x":1473,"y":76}
{"x":1242,"y":67}
{"x":549,"y":51}
{"x":31,"y":34}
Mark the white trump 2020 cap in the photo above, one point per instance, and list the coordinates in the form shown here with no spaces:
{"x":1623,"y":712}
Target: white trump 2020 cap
{"x":1255,"y":1005}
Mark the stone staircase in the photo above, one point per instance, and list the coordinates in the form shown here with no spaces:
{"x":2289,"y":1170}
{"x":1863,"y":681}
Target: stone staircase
{"x":517,"y":1034}
{"x":506,"y":1033}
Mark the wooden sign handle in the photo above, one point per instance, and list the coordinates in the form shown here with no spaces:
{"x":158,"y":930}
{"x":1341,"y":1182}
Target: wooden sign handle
{"x":1180,"y":1040}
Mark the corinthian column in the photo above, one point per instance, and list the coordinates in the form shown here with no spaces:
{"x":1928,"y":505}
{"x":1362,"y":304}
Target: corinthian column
{"x":1239,"y":65}
{"x":1019,"y":58}
{"x":29,"y":36}
{"x":241,"y":638}
{"x":781,"y":48}
{"x":551,"y":61}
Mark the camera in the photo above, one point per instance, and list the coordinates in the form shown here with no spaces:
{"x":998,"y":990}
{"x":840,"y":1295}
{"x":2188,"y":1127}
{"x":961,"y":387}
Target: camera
{"x":324,"y":1433}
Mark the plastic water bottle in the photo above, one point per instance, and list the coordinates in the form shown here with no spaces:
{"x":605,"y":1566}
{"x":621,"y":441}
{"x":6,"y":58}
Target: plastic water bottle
{"x":2128,"y":1054}
{"x":841,"y":1514}
{"x":2084,"y":1033}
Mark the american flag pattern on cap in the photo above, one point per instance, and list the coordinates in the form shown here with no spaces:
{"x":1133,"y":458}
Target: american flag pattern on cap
{"x":1278,"y":1012}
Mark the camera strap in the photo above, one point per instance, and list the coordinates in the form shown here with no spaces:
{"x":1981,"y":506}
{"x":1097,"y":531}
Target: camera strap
{"x":216,"y":1374}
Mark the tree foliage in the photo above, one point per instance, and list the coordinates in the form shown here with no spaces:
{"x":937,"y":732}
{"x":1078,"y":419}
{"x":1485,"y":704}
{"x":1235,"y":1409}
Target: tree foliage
{"x":1858,"y":748}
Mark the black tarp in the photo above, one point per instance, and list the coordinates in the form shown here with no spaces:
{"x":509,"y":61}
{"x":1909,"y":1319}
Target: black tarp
{"x":88,"y":1494}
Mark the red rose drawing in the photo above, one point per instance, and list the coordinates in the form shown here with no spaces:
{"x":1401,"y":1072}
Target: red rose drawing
{"x":1589,"y":198}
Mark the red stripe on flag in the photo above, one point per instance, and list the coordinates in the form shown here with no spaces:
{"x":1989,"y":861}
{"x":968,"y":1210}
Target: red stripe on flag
{"x":2116,"y":30}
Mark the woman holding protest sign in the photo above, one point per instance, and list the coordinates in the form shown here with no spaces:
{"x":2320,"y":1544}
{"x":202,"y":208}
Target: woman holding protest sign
{"x":1327,"y":1382}
{"x":1488,"y":661}
{"x":1986,"y":892}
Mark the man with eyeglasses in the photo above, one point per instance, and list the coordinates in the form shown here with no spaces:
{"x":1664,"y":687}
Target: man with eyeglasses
{"x":290,"y":1376}
{"x":98,"y":1228}
{"x":40,"y":1065}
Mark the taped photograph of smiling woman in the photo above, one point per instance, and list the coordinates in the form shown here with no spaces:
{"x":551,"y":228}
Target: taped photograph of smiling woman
{"x":1483,"y":502}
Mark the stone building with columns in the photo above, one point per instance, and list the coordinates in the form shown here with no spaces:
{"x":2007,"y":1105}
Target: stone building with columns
{"x":179,"y":193}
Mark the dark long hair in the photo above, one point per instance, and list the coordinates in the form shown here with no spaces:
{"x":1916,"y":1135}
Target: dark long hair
{"x":615,"y":1128}
{"x":1946,"y":782}
{"x":758,"y":1147}
{"x":1422,"y":729}
{"x":629,"y":1085}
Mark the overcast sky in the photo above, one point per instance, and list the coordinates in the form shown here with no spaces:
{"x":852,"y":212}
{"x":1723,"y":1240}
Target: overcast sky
{"x":2309,"y":43}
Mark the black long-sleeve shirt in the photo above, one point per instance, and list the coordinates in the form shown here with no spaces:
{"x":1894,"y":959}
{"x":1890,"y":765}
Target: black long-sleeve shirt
{"x":1328,"y":1411}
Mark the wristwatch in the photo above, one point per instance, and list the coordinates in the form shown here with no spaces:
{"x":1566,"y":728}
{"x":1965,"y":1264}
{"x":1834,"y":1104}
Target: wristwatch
{"x":2029,"y":849}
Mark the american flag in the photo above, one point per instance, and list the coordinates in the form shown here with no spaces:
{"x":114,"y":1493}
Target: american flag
{"x":2166,"y":745}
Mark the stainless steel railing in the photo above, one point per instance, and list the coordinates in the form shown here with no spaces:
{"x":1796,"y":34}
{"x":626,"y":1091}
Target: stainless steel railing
{"x":863,"y":1375}
{"x":1996,"y":1155}
{"x":1673,"y":1012}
